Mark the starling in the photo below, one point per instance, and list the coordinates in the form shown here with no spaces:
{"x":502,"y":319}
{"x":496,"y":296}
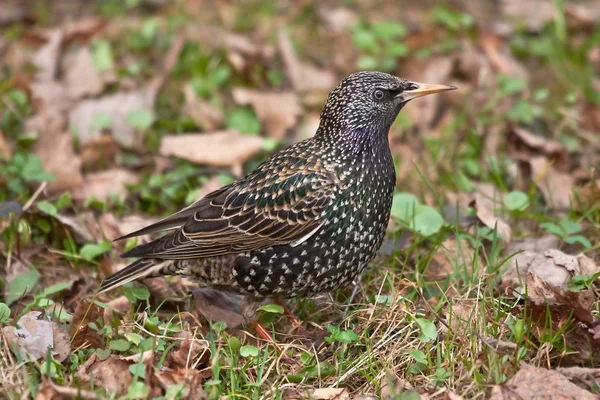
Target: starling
{"x":306,"y":221}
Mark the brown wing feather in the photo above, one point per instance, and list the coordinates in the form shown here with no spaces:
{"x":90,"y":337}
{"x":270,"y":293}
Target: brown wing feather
{"x":262,"y":212}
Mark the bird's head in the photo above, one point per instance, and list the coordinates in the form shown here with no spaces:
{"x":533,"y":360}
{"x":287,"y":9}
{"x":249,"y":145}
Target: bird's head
{"x":370,"y":101}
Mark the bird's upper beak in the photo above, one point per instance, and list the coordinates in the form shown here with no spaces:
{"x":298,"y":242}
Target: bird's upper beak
{"x":423,"y":89}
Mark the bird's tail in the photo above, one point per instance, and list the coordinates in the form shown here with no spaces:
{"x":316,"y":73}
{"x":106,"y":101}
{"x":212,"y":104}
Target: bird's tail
{"x":142,"y":268}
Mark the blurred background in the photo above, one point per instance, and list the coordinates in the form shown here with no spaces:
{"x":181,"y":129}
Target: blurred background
{"x":115,"y":113}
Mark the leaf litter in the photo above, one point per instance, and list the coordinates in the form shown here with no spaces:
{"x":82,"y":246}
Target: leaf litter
{"x":549,"y":279}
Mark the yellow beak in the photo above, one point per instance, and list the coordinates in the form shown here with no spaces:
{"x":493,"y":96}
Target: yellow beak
{"x":423,"y":89}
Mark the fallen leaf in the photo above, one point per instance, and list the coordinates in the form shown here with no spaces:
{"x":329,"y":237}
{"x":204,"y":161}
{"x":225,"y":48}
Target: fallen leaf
{"x":524,"y":144}
{"x":82,"y":335}
{"x":55,"y":149}
{"x":81,"y":29}
{"x":192,"y":353}
{"x":82,"y":226}
{"x":215,"y":306}
{"x":190,"y":379}
{"x":46,"y":60}
{"x":392,"y":385}
{"x":339,"y":20}
{"x":111,"y":374}
{"x":202,"y":112}
{"x":581,"y":376}
{"x":534,"y":14}
{"x":81,"y":77}
{"x":484,"y":209}
{"x":556,"y":187}
{"x":118,"y":107}
{"x":121,"y":304}
{"x":304,"y":77}
{"x":34,"y":336}
{"x":534,"y":244}
{"x":451,"y":257}
{"x":5,"y":150}
{"x":62,"y":344}
{"x":224,"y":148}
{"x":47,"y":392}
{"x":535,"y":383}
{"x":551,"y":266}
{"x":501,"y":57}
{"x":327,"y":394}
{"x":104,"y":183}
{"x":278,"y":111}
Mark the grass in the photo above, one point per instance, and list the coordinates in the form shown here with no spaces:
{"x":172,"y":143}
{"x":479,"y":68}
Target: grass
{"x":427,"y":315}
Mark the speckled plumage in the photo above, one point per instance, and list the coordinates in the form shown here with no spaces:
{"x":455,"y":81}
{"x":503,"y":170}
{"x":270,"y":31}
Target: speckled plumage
{"x":307,"y":221}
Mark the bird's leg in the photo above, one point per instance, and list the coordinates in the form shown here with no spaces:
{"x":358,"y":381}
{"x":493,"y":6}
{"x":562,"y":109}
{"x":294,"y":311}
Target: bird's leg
{"x":248,"y":309}
{"x":286,"y":311}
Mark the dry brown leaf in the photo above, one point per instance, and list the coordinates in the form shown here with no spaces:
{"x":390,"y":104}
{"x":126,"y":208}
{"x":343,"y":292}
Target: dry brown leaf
{"x":121,"y":304}
{"x":450,"y":257}
{"x":328,"y":394}
{"x":54,"y":147}
{"x":5,"y":150}
{"x":556,"y":187}
{"x":33,"y":336}
{"x":192,"y":353}
{"x":500,"y":56}
{"x":62,"y":344}
{"x":392,"y":385}
{"x":534,"y":244}
{"x":81,"y":29}
{"x":581,"y":376}
{"x":224,"y":148}
{"x":536,"y":383}
{"x":46,"y":60}
{"x":111,"y":374}
{"x":551,"y":266}
{"x":190,"y":379}
{"x":304,"y":77}
{"x":117,"y":107}
{"x":534,"y":13}
{"x":202,"y":112}
{"x":104,"y":183}
{"x":339,"y":20}
{"x":278,"y":111}
{"x":524,"y":145}
{"x":484,"y":209}
{"x":215,"y":306}
{"x":81,"y":77}
{"x":81,"y":334}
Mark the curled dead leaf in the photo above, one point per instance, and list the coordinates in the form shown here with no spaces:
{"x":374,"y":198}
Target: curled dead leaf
{"x":224,"y":148}
{"x":551,"y":266}
{"x":278,"y":111}
{"x":532,"y":382}
{"x":304,"y":77}
{"x":202,"y":112}
{"x":100,"y":185}
{"x":556,"y":187}
{"x":33,"y":336}
{"x":484,"y":209}
{"x":82,"y":335}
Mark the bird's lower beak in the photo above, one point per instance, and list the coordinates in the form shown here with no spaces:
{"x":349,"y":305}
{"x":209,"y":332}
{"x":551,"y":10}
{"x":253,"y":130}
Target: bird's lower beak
{"x":423,"y":89}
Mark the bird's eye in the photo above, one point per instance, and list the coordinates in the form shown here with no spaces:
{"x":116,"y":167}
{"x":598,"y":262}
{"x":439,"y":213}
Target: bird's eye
{"x":378,"y":94}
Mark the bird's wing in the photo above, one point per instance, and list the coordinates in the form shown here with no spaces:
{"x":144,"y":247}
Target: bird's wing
{"x":178,"y":219}
{"x":271,"y":209}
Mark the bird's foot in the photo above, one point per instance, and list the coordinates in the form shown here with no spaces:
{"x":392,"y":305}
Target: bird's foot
{"x":265,"y":335}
